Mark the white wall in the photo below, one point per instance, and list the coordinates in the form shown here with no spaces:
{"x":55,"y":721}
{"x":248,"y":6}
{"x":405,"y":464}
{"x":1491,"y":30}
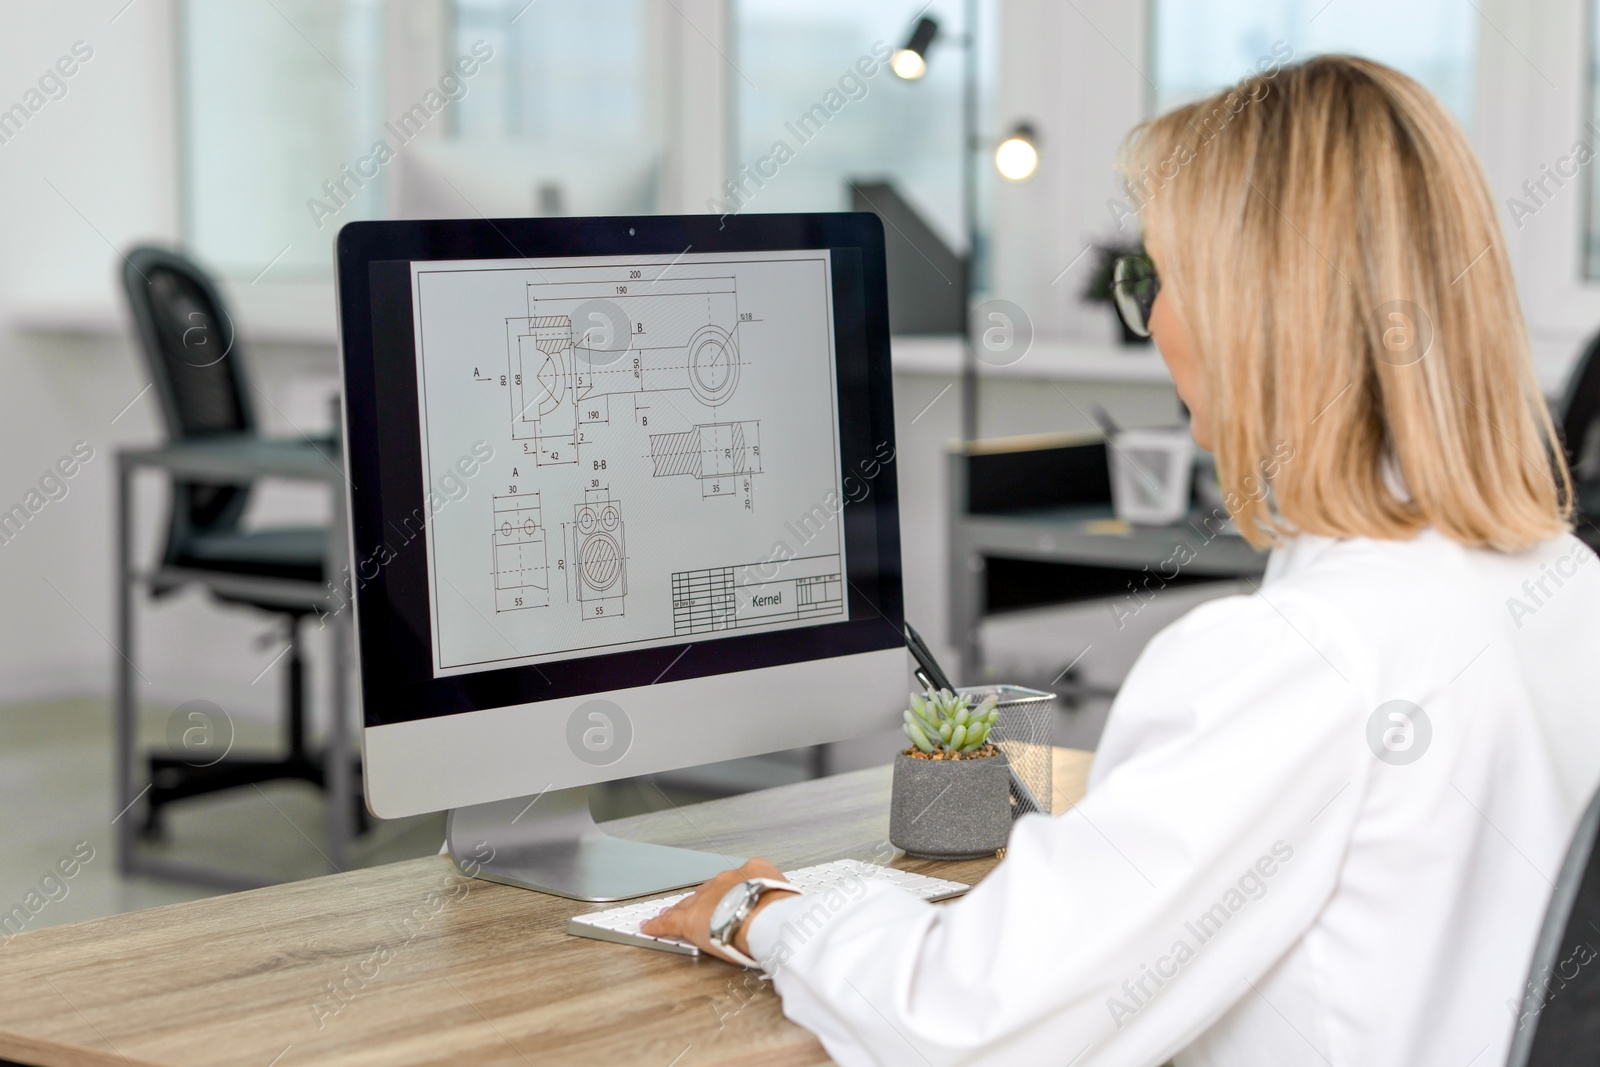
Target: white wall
{"x":1076,"y":72}
{"x":109,"y":148}
{"x":1530,"y":108}
{"x":694,"y":110}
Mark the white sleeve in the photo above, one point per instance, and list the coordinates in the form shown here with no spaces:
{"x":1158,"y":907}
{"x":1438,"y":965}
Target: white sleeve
{"x":1118,"y":932}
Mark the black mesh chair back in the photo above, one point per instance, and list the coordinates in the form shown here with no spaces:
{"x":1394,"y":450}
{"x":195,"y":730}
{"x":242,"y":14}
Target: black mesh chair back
{"x":191,"y":347}
{"x":1580,"y":410}
{"x":1559,"y":1024}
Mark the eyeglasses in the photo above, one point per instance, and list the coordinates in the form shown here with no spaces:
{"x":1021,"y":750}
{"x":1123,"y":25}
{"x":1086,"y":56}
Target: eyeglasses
{"x":1134,"y":285}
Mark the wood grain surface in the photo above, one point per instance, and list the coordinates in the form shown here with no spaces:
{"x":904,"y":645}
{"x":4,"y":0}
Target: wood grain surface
{"x":413,"y":963}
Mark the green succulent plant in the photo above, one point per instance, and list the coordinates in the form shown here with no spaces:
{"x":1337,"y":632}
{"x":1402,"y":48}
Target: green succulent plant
{"x":943,"y":721}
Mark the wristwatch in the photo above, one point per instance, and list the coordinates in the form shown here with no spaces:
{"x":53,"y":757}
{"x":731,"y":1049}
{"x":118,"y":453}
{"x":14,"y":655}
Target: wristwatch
{"x":734,"y":908}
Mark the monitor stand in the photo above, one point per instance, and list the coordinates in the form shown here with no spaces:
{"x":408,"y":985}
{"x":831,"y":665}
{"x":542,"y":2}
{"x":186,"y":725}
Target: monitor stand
{"x":550,"y":843}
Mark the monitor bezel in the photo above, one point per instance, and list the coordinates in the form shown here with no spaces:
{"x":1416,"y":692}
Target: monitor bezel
{"x":387,"y":582}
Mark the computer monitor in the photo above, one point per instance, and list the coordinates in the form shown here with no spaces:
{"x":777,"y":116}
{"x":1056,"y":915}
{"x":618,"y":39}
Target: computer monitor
{"x":622,"y":500}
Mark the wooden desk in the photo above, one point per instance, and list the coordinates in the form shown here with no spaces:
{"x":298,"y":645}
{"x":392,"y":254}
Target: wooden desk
{"x":437,"y":968}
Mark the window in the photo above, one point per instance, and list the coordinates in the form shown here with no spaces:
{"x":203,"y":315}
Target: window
{"x":278,"y":99}
{"x":560,"y":121}
{"x":790,"y":54}
{"x":1201,"y":47}
{"x":503,"y":108}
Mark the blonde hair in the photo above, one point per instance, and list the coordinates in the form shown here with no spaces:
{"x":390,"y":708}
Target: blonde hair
{"x":1329,"y":241}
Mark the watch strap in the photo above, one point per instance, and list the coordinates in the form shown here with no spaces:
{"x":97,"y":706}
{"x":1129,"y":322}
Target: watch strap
{"x":736,"y":956}
{"x":762,"y":887}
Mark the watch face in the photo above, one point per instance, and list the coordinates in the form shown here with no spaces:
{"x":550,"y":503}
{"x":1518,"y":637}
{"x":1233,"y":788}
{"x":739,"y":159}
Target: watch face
{"x":729,"y":906}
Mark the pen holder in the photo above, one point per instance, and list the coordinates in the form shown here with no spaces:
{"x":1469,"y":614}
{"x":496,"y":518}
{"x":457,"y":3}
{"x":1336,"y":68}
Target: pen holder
{"x":1023,"y":735}
{"x":1151,"y":475}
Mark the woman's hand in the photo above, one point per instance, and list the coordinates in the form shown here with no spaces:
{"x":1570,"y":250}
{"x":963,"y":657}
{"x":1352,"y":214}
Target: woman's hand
{"x":690,"y":918}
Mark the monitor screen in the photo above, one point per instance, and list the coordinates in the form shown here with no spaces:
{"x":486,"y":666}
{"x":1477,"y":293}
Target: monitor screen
{"x":592,"y":455}
{"x":663,"y":429}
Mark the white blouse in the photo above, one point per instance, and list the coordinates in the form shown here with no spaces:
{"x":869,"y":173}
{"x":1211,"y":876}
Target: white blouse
{"x":1321,"y":829}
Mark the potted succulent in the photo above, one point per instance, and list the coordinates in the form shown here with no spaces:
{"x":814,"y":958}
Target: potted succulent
{"x":1097,"y":290}
{"x":952,"y":787}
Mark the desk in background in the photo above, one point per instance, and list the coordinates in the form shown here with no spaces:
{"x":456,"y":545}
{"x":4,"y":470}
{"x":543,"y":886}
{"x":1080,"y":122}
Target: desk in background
{"x":231,"y":459}
{"x":1031,"y":524}
{"x":476,"y":973}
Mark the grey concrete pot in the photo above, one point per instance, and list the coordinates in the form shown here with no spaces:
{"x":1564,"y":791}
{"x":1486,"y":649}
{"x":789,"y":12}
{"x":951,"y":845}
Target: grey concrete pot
{"x":950,"y":809}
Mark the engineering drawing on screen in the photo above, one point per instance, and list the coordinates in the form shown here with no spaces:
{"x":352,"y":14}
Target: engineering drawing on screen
{"x":666,"y":452}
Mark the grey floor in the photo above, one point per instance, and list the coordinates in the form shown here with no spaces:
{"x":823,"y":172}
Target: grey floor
{"x":56,"y":796}
{"x":56,"y":803}
{"x":56,"y":789}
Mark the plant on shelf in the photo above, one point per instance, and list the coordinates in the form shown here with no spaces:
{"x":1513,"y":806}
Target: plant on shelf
{"x":947,"y":726}
{"x":952,"y":788}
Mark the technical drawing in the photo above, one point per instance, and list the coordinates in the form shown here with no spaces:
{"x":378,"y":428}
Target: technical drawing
{"x":600,"y":555}
{"x":521,"y":559}
{"x":719,"y":454}
{"x":755,"y":594}
{"x":541,"y":379}
{"x":654,"y":437}
{"x":712,"y":365}
{"x":583,"y":342}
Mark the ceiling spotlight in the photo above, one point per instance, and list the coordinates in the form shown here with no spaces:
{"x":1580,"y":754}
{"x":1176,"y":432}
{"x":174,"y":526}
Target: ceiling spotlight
{"x":1017,"y":157}
{"x":908,"y":64}
{"x":911,"y":60}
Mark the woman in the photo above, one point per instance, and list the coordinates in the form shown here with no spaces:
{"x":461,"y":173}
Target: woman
{"x":1324,"y":817}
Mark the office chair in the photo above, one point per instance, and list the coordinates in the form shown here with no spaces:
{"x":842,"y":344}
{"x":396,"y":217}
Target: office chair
{"x":1580,"y":436}
{"x":1559,"y":1024}
{"x":197,"y":368}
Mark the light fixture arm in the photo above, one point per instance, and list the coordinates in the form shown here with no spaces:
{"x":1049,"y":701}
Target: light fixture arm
{"x":969,"y":196}
{"x":924,"y":33}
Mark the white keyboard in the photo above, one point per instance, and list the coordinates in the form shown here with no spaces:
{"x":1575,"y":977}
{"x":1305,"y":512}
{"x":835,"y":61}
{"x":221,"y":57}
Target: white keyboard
{"x":622,"y":924}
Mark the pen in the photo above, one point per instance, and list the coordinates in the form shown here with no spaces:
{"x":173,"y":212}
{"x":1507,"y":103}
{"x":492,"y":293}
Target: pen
{"x":929,"y":673}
